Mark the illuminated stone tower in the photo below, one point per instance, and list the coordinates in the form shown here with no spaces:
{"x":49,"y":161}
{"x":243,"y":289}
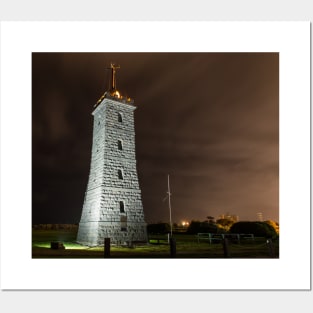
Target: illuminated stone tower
{"x":112,"y":205}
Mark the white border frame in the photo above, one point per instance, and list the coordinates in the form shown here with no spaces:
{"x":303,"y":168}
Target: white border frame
{"x":290,"y":272}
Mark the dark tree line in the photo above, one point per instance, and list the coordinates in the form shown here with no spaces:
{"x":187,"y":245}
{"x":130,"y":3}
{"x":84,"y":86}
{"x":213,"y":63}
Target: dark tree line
{"x":258,"y":229}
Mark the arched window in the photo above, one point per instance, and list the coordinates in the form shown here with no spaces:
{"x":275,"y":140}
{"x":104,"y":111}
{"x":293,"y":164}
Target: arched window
{"x":120,"y":145}
{"x":122,"y":207}
{"x":120,"y":174}
{"x":120,"y":117}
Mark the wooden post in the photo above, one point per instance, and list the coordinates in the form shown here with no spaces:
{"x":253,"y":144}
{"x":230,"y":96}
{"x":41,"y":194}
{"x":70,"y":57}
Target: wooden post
{"x":107,"y":247}
{"x":173,"y":247}
{"x":226,"y":248}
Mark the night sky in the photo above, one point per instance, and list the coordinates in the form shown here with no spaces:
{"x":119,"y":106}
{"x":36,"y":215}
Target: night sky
{"x":209,"y":120}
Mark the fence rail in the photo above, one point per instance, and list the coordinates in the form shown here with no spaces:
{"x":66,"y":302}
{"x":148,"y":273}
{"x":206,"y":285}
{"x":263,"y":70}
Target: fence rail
{"x":211,"y":237}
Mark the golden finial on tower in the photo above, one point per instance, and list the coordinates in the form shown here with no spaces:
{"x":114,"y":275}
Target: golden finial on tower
{"x":113,"y":92}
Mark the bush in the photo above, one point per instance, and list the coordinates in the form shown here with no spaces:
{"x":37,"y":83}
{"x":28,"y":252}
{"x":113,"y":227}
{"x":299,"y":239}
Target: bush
{"x":224,"y":223}
{"x":202,"y":227}
{"x":258,"y":229}
{"x":159,"y":228}
{"x":275,"y":225}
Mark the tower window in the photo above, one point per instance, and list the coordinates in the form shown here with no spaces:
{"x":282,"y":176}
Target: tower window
{"x":120,"y":145}
{"x":122,"y":207}
{"x":120,"y":174}
{"x":120,"y":117}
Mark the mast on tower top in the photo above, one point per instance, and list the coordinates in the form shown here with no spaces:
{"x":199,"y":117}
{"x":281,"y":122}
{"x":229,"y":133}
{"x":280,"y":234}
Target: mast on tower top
{"x":113,"y":93}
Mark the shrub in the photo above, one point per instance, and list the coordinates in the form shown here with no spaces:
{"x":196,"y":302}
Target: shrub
{"x":202,"y":227}
{"x":159,"y":228}
{"x":225,"y":223}
{"x":258,"y":229}
{"x":274,"y":224}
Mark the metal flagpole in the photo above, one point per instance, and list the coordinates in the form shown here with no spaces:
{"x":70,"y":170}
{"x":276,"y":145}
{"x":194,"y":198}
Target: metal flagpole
{"x":169,"y":202}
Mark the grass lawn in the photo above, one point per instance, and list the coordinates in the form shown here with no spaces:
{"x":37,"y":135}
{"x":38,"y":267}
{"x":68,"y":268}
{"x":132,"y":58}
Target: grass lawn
{"x":187,"y":246}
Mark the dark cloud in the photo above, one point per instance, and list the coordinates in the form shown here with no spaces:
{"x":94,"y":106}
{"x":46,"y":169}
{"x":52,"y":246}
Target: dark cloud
{"x":210,"y":120}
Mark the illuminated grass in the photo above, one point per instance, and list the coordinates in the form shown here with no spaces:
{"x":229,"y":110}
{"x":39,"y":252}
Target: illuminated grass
{"x":67,"y":245}
{"x":187,"y":246}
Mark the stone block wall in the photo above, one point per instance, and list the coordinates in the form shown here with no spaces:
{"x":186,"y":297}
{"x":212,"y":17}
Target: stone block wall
{"x":112,"y":205}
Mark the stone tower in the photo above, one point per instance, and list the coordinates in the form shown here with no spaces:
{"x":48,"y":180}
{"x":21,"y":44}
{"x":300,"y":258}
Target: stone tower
{"x":112,"y":206}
